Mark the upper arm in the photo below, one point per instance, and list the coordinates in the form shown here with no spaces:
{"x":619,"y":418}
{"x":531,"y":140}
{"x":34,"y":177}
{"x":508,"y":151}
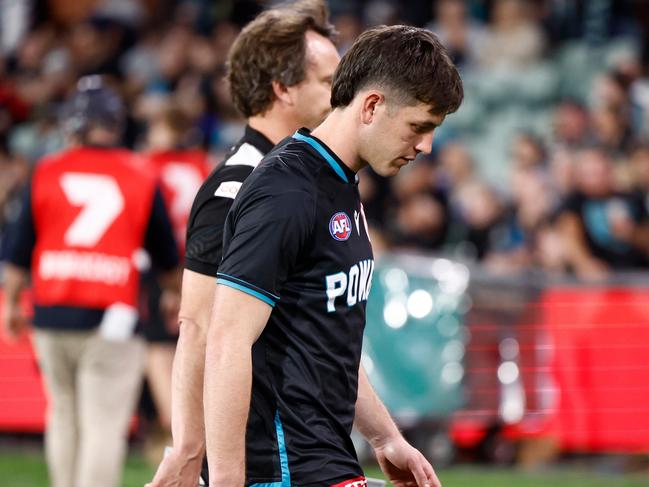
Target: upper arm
{"x":237,"y":316}
{"x":197,"y":298}
{"x":204,"y":243}
{"x":21,"y":234}
{"x":159,"y":240}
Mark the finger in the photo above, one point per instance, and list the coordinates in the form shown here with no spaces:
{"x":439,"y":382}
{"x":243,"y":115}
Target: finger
{"x":417,"y":470}
{"x":431,"y":475}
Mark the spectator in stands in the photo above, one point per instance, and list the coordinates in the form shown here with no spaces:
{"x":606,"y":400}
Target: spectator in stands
{"x":611,"y":131}
{"x":524,"y":242}
{"x":514,"y":40}
{"x":462,"y":36}
{"x":456,"y":166}
{"x":481,"y":220}
{"x":527,"y":152}
{"x":639,"y":162}
{"x":602,"y":229}
{"x":349,"y":27}
{"x":570,"y":125}
{"x":421,"y":212}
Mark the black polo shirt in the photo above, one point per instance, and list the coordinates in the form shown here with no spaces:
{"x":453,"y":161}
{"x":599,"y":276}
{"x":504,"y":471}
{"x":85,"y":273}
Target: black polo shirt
{"x":296,"y":238}
{"x":214,"y":199}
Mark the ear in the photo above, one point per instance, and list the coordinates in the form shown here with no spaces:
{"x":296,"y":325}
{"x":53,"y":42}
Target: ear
{"x":282,"y":93}
{"x":370,"y":103}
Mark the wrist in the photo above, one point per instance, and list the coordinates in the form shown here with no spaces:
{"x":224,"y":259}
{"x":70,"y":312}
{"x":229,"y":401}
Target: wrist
{"x":379,"y":442}
{"x":190,"y":450}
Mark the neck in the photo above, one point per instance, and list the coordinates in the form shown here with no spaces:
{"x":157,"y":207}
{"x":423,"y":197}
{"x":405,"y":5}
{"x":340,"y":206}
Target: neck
{"x":338,"y":132}
{"x":273,"y":126}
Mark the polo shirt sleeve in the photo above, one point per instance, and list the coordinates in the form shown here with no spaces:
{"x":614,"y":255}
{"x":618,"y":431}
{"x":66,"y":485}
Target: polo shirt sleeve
{"x":265,"y":236}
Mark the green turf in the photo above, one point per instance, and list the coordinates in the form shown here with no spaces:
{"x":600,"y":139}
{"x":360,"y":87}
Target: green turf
{"x":28,"y":470}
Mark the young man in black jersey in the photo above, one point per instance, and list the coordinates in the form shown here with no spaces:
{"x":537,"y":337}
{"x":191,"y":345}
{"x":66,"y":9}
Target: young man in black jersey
{"x":280,"y":71}
{"x":283,"y":382}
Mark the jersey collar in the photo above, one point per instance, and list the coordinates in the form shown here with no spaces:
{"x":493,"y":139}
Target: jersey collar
{"x":339,"y":167}
{"x":257,"y":140}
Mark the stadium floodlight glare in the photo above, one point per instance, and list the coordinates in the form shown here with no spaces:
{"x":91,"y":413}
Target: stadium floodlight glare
{"x":395,"y":313}
{"x":452,"y":373}
{"x":448,"y":326}
{"x":453,"y":351}
{"x":420,"y":303}
{"x":508,"y":372}
{"x":395,"y":280}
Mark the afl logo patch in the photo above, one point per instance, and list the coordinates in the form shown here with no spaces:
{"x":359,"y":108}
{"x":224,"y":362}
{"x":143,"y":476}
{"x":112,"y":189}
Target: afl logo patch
{"x":340,"y":226}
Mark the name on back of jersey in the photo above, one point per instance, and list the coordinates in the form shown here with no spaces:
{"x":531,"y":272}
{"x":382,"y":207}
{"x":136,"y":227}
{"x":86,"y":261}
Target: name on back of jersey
{"x":349,"y":288}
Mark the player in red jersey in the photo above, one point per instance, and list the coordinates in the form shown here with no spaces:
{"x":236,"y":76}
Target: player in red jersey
{"x":89,"y":212}
{"x":180,"y":170}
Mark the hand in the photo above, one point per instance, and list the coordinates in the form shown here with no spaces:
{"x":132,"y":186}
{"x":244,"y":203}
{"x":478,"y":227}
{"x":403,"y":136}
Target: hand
{"x":14,"y":322}
{"x":404,"y":465}
{"x":592,"y":270}
{"x":177,"y":470}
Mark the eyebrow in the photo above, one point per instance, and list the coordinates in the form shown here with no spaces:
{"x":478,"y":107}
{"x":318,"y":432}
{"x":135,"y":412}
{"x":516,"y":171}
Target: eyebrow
{"x":426,"y":126}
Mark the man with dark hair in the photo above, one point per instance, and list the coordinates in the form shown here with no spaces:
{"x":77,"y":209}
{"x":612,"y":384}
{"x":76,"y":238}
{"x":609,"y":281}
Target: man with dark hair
{"x":283,"y":382}
{"x":602,"y":229}
{"x":280,"y":70}
{"x":86,"y":217}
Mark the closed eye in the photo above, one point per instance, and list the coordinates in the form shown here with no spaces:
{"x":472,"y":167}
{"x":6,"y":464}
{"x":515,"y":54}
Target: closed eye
{"x":423,"y":128}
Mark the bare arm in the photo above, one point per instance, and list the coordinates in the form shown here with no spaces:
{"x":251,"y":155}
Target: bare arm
{"x":402,"y":463}
{"x":237,"y":321}
{"x":372,"y":419}
{"x":182,"y":467}
{"x":15,"y":280}
{"x":577,"y":252}
{"x":189,"y":362}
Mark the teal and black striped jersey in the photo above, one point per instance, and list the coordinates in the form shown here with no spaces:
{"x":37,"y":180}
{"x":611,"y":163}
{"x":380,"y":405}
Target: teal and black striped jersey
{"x":296,"y":238}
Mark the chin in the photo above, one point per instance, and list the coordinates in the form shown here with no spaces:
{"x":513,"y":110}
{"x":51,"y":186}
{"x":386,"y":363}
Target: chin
{"x":388,"y":171}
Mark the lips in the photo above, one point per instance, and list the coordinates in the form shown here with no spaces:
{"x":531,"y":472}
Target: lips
{"x":404,"y":160}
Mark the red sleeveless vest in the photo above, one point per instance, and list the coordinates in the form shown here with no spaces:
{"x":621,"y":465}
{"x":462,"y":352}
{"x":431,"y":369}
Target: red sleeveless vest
{"x":90,"y":207}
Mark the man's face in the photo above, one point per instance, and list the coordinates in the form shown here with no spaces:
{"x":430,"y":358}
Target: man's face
{"x":594,"y":173}
{"x":396,"y":135}
{"x":312,"y":94}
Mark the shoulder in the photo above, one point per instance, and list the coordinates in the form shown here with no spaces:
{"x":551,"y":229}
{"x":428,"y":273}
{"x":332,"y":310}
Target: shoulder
{"x":243,"y":154}
{"x":282,"y":186}
{"x":52,"y":161}
{"x":224,"y":181}
{"x":288,"y":167}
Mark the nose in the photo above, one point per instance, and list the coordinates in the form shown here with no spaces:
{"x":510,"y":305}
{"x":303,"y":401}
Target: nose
{"x":425,"y":143}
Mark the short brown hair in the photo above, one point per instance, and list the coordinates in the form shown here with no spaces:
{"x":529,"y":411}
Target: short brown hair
{"x":409,"y":61}
{"x":272,"y":48}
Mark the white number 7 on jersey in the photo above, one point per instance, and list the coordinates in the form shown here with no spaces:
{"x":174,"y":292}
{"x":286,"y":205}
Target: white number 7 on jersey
{"x":102,"y":202}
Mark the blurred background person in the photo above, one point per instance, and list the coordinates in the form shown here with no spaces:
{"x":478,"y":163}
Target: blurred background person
{"x":87,"y":214}
{"x":180,"y":167}
{"x":602,"y":228}
{"x":460,"y":34}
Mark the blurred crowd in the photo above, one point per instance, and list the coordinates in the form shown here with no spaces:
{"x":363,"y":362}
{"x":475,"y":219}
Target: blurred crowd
{"x":544,"y":167}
